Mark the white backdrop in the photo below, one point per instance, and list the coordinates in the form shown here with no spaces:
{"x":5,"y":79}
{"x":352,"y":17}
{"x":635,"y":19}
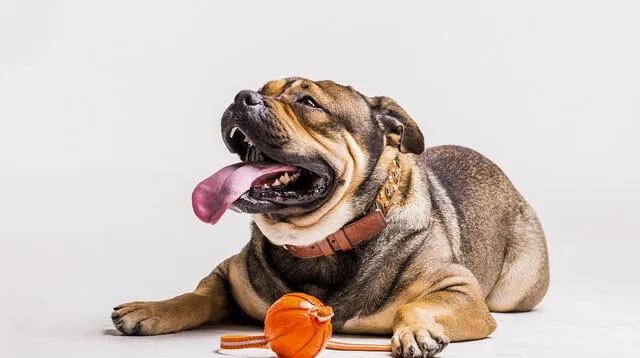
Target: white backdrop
{"x":109,"y":116}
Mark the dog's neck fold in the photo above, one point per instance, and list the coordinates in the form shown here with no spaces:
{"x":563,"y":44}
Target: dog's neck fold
{"x":362,"y":229}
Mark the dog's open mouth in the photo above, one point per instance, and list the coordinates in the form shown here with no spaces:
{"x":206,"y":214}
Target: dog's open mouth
{"x":261,"y":182}
{"x":289,"y":187}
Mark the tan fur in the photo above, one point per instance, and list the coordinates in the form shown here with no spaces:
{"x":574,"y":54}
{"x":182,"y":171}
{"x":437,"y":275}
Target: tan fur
{"x":242,"y":292}
{"x":524,"y":278}
{"x":207,"y":304}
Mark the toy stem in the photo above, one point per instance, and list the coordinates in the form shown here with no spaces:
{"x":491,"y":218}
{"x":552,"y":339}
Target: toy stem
{"x":323,"y":314}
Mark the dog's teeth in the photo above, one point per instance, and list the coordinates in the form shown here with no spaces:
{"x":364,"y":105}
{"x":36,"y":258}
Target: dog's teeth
{"x":285,"y":179}
{"x":275,"y":183}
{"x":265,"y":186}
{"x":233,"y":131}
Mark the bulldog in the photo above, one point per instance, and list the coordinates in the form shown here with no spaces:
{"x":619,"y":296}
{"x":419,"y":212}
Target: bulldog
{"x":348,"y":206}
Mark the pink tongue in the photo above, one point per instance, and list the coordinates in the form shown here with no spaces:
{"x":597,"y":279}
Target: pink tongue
{"x":214,"y":195}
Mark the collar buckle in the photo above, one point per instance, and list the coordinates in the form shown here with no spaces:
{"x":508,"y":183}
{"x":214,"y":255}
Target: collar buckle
{"x":378,"y":207}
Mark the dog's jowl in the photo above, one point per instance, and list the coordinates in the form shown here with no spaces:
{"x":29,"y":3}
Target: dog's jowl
{"x":349,"y":206}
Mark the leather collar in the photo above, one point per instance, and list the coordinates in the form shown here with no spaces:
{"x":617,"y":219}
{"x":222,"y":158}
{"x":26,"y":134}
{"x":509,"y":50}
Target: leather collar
{"x":360,"y":230}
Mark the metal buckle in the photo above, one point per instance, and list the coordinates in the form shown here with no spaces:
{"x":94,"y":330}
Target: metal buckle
{"x":378,"y":207}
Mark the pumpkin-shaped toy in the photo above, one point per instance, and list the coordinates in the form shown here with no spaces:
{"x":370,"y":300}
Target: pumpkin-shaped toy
{"x":298,"y":325}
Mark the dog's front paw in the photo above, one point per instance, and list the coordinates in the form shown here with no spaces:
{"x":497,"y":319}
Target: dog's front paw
{"x":417,"y":342}
{"x":143,"y":318}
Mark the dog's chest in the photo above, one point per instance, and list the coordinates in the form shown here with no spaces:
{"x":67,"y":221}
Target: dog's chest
{"x":321,"y":277}
{"x":350,"y":283}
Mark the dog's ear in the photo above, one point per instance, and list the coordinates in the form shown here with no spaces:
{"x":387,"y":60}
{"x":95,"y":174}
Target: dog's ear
{"x":401,"y":131}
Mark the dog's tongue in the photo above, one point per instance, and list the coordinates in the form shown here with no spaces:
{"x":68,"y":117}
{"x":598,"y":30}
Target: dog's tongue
{"x":214,"y":195}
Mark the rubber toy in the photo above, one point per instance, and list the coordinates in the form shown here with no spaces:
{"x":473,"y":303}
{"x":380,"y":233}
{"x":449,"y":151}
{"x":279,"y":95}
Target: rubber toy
{"x":297,"y":325}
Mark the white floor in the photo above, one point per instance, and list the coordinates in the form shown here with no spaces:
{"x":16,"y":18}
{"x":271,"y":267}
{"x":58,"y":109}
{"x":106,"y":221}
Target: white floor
{"x":598,"y":326}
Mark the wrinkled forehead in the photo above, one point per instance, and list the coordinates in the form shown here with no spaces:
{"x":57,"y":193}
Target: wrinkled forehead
{"x":295,"y":86}
{"x":342,"y":106}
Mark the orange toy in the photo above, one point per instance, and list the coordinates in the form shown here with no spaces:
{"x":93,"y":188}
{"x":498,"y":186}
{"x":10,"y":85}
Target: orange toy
{"x":297,"y":325}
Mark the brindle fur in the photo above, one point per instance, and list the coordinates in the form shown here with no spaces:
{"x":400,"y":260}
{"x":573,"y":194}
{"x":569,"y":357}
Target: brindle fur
{"x":461,"y":241}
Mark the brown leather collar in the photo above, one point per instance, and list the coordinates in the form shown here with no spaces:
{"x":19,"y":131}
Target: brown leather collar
{"x":360,"y":230}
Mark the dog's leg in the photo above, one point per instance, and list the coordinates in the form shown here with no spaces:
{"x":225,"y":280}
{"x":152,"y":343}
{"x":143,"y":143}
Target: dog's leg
{"x":207,"y":304}
{"x":454,"y":309}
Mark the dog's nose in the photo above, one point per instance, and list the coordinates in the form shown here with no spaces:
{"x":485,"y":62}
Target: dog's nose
{"x":248,"y":98}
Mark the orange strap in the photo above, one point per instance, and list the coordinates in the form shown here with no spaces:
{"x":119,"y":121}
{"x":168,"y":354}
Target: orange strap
{"x":239,"y":342}
{"x":344,"y":346}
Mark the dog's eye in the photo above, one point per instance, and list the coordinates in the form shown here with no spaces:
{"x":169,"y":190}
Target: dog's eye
{"x":308,"y":101}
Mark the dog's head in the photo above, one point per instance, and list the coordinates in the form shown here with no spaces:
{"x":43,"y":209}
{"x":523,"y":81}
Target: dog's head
{"x":311,"y":154}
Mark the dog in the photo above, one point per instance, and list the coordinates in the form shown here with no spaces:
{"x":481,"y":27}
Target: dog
{"x":349,"y":206}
